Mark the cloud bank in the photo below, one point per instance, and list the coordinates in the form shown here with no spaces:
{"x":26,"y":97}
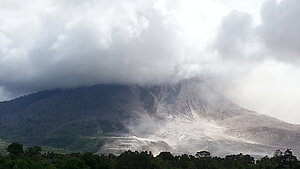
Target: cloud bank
{"x":249,"y":51}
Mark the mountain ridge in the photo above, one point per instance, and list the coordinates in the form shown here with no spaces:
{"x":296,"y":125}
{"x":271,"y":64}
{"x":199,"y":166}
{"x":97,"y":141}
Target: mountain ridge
{"x":177,"y":117}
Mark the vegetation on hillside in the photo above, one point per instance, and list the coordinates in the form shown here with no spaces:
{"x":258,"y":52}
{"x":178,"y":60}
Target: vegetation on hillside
{"x":33,"y":158}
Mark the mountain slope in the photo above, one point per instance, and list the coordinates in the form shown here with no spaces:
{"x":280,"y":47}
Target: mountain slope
{"x":185,"y":117}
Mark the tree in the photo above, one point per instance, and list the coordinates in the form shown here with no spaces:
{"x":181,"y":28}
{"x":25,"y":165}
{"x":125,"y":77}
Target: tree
{"x":166,"y":156}
{"x":15,"y":149}
{"x":288,"y":152}
{"x":297,"y":166}
{"x":72,"y":163}
{"x":285,"y":160}
{"x":203,"y":154}
{"x":277,"y":153}
{"x":288,"y":157}
{"x":33,"y":151}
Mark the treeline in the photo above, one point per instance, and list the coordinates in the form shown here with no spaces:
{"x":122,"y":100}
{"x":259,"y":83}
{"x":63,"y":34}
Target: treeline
{"x":34,"y":158}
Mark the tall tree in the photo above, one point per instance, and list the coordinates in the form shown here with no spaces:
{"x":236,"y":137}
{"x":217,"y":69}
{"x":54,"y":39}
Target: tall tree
{"x":15,"y":149}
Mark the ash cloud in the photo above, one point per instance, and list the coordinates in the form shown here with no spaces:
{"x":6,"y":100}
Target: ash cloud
{"x":62,"y":44}
{"x":261,"y":60}
{"x":233,"y":35}
{"x":69,"y":44}
{"x":280,"y":29}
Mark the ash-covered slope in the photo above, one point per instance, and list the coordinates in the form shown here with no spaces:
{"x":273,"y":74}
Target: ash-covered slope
{"x":190,"y":116}
{"x":183,"y":118}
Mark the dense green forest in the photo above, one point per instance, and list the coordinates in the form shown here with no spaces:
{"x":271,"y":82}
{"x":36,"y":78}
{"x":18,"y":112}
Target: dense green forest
{"x":34,"y":158}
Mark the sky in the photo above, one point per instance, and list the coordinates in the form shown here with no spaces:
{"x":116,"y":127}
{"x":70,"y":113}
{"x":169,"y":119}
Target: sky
{"x":247,"y":50}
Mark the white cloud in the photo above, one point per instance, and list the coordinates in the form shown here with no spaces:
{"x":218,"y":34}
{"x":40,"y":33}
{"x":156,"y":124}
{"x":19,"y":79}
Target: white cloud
{"x":234,"y":35}
{"x":59,"y":43}
{"x":271,"y":88}
{"x":97,"y":41}
{"x":280,"y":29}
{"x":63,"y":43}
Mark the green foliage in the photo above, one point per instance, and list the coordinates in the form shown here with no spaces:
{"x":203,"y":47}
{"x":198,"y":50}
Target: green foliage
{"x":72,"y":163}
{"x":34,"y":158}
{"x":15,"y":149}
{"x":135,"y":160}
{"x":3,"y":146}
{"x":202,"y":154}
{"x":60,"y":118}
{"x":33,"y":151}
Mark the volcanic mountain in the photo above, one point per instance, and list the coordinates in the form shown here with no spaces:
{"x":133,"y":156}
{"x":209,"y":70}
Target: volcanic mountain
{"x":185,"y":117}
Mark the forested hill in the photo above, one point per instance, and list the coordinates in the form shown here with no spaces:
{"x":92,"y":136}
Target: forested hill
{"x":34,"y":158}
{"x":63,"y":118}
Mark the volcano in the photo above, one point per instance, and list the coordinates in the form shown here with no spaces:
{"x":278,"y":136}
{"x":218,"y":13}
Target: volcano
{"x":183,"y":117}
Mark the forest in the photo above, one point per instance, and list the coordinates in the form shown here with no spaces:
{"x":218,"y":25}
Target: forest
{"x":35,"y":158}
